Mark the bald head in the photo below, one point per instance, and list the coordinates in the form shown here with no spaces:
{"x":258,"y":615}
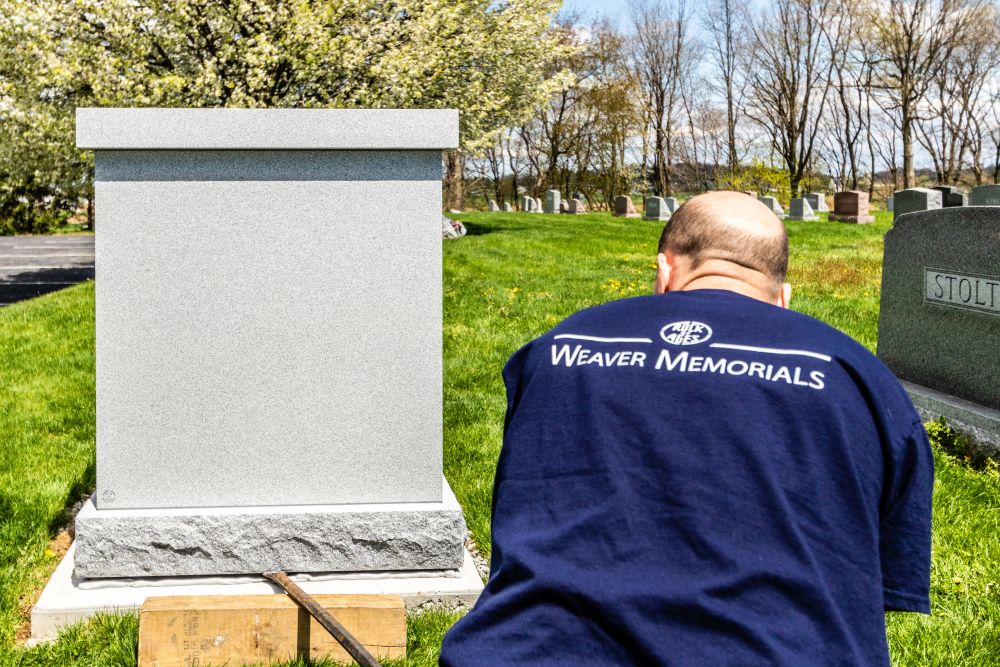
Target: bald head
{"x":729,"y":233}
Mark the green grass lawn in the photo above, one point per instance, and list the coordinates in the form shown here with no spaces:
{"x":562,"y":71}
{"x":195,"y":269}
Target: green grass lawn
{"x":511,"y":279}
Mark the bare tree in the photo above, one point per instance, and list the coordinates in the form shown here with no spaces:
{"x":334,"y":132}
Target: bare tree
{"x":660,"y":48}
{"x":912,"y":41}
{"x":726,"y":22}
{"x":789,"y":79}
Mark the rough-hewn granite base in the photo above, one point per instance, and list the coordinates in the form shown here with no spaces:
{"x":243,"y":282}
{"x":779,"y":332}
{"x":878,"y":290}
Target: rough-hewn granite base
{"x":852,"y":219}
{"x":247,"y":540}
{"x":980,"y":423}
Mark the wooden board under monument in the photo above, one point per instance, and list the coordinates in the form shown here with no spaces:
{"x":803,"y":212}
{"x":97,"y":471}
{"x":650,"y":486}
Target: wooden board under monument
{"x":180,"y":631}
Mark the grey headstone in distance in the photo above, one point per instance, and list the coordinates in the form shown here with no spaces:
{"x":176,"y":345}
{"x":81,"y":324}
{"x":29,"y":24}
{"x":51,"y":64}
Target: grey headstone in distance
{"x":939,"y":321}
{"x":656,"y":209}
{"x":525,"y":205}
{"x":889,"y":203}
{"x":772,"y":203}
{"x":801,"y":210}
{"x":576,"y":206}
{"x":552,"y":201}
{"x":507,"y":208}
{"x":252,"y":374}
{"x":672,"y":204}
{"x":817,"y":201}
{"x":493,"y":205}
{"x":952,"y":196}
{"x":564,"y":206}
{"x":915,"y":199}
{"x":985,"y":195}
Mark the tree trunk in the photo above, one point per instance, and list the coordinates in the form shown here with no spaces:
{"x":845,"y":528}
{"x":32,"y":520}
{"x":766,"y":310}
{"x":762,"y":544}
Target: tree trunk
{"x":906,"y":130}
{"x":454,"y":172}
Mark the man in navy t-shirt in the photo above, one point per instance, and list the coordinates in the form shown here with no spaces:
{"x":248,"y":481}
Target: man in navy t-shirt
{"x":702,"y":477}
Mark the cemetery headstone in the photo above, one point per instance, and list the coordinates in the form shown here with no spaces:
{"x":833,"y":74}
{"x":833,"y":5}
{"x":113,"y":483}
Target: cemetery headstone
{"x":817,"y":201}
{"x":939,"y":321}
{"x":889,"y":203}
{"x":538,"y":207}
{"x":672,"y":204}
{"x":772,"y":203}
{"x":507,"y":208}
{"x":552,"y":201}
{"x":576,"y":206}
{"x":564,"y":206}
{"x":985,"y":195}
{"x":851,"y":206}
{"x":624,"y":207}
{"x":493,"y":205}
{"x":915,"y":199}
{"x":801,"y":210}
{"x":656,"y":209}
{"x":265,"y":402}
{"x":952,"y":196}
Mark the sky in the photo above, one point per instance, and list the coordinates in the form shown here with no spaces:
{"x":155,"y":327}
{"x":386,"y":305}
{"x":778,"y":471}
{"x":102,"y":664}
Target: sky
{"x":611,"y":8}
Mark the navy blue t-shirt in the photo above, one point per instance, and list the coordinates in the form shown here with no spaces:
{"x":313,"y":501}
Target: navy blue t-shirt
{"x":701,"y":478}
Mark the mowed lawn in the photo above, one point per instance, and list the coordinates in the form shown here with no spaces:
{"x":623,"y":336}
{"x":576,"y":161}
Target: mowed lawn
{"x":513,"y":277}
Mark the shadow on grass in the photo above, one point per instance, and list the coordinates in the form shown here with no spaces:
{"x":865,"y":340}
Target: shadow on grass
{"x":78,"y":492}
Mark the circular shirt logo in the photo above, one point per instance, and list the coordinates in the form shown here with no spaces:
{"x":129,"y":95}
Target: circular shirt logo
{"x":686,"y":332}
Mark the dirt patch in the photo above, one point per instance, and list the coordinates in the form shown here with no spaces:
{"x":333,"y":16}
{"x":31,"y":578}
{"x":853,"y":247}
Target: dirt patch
{"x":54,"y":552}
{"x":850,"y":272}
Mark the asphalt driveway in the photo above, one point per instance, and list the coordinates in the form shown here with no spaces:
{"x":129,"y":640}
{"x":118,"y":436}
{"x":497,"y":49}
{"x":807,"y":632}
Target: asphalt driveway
{"x":34,"y":265}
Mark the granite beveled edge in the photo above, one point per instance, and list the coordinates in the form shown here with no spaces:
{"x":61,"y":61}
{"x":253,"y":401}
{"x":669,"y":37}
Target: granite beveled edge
{"x":979,"y":422}
{"x":266,"y":129}
{"x":352,"y":538}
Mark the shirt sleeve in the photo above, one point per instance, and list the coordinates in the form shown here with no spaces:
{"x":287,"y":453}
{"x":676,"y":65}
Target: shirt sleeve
{"x":905,"y":531}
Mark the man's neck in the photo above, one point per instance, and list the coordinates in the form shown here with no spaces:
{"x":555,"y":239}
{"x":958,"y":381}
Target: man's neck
{"x":728,"y":283}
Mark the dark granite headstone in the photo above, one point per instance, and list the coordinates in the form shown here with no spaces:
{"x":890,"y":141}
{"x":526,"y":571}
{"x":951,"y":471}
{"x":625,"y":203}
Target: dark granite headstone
{"x":952,"y":196}
{"x":817,"y":200}
{"x":552,"y":201}
{"x":801,"y":210}
{"x":625,"y":208}
{"x":915,"y":199}
{"x":576,"y":206}
{"x":939,"y":323}
{"x":851,"y":206}
{"x":772,"y":203}
{"x":985,"y":195}
{"x":656,"y":209}
{"x":564,"y":206}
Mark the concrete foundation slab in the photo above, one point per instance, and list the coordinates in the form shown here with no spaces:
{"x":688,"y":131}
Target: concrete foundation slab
{"x":67,"y":600}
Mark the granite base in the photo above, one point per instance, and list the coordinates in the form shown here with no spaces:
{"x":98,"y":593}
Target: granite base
{"x":67,"y":600}
{"x":980,"y":423}
{"x":852,"y":219}
{"x":251,"y":540}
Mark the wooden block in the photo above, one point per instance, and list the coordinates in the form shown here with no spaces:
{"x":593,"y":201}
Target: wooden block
{"x":190,"y":630}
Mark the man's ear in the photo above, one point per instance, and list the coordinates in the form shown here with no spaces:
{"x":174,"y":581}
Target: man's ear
{"x":662,"y":274}
{"x":784,"y":295}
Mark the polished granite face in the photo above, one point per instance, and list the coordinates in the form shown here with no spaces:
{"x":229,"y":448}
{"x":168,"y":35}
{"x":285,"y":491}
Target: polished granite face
{"x":939,"y":323}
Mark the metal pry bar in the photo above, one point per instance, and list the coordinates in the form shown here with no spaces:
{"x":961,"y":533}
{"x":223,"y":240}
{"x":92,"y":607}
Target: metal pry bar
{"x":355,"y":648}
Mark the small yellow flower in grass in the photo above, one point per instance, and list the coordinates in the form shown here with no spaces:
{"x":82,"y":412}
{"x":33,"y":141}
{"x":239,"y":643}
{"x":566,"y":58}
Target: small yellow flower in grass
{"x":957,"y":581}
{"x":49,"y":553}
